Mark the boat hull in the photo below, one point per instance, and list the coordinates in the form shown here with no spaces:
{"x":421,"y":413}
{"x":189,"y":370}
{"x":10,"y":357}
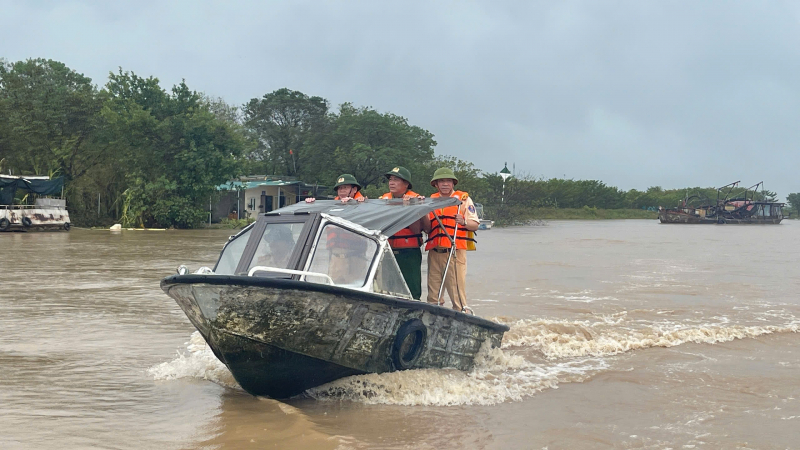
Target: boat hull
{"x":39,"y":218}
{"x":281,"y":337}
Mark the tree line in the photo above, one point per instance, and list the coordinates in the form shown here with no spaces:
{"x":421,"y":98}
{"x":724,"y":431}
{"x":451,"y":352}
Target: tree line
{"x":133,"y":152}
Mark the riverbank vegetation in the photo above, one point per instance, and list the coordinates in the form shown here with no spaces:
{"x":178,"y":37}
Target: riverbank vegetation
{"x":135,"y":153}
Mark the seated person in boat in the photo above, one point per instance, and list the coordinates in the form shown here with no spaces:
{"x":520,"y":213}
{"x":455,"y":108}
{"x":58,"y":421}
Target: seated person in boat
{"x":343,"y":255}
{"x":349,"y":255}
{"x":275,"y":248}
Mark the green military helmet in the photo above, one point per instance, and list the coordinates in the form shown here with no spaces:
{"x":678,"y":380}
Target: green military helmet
{"x":443,"y":173}
{"x":400,"y":172}
{"x":346,"y":178}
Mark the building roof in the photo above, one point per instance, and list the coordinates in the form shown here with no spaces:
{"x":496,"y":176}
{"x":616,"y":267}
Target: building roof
{"x":253,"y":184}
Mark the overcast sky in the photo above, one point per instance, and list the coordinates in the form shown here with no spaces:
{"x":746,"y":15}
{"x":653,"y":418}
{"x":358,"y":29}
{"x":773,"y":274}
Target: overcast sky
{"x":635,"y":94}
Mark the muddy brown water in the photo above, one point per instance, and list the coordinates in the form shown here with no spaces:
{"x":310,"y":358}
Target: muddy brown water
{"x":624,"y":334}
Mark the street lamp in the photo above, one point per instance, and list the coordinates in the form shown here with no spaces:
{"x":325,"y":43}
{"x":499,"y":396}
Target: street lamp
{"x":506,"y":174}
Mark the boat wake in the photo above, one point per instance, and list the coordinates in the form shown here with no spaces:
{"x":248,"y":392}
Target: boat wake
{"x":556,"y":340}
{"x":536,"y":354}
{"x":499,"y":376}
{"x":198,"y":361}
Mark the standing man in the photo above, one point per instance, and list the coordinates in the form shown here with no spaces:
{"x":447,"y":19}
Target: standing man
{"x":346,"y":261}
{"x":456,"y":221}
{"x":347,"y":188}
{"x":406,"y":242}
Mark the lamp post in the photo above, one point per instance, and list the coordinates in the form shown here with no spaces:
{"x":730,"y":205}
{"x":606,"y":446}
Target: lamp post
{"x":506,"y":174}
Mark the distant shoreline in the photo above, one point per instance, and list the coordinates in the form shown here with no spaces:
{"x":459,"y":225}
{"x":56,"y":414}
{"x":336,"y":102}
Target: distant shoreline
{"x":592,"y":214}
{"x":518,"y":216}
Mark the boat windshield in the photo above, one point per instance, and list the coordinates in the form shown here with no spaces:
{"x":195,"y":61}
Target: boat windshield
{"x":231,"y":254}
{"x":343,"y":255}
{"x":388,"y":278}
{"x":276,"y":246}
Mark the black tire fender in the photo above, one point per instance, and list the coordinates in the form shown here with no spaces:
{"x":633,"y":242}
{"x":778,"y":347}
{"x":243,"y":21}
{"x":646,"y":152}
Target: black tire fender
{"x":4,"y":224}
{"x":26,"y":222}
{"x":409,"y":344}
{"x":67,"y":226}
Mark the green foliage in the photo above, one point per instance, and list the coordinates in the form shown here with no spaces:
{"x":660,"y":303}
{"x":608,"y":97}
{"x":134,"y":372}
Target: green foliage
{"x":592,"y":214}
{"x":135,"y":153}
{"x":284,"y":122}
{"x":132,"y":150}
{"x":235,"y":223}
{"x":368,"y":144}
{"x":174,"y":149}
{"x":50,"y":119}
{"x":794,"y":204}
{"x":157,"y":205}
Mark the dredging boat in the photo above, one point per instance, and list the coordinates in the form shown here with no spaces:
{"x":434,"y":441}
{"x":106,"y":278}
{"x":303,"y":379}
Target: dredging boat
{"x":45,"y":213}
{"x":746,"y":209}
{"x":311,"y":293}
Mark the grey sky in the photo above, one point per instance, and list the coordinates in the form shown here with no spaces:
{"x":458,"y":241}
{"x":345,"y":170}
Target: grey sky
{"x":635,"y":94}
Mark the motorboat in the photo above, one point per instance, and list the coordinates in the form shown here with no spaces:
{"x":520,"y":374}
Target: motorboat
{"x":311,"y":293}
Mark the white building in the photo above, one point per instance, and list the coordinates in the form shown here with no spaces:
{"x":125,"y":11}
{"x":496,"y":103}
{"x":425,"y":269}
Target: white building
{"x":254,"y":195}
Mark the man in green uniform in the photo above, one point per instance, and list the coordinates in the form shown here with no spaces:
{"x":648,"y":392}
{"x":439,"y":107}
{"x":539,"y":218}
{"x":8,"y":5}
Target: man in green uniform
{"x":406,"y":242}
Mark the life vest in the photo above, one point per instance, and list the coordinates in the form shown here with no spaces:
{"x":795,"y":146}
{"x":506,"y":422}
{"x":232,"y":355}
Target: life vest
{"x":345,"y":239}
{"x":356,"y":197}
{"x":438,"y":237}
{"x":404,"y":238}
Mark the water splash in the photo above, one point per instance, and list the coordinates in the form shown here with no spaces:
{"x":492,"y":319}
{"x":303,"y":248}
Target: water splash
{"x":573,"y":351}
{"x":498,"y":376}
{"x":557,"y":339}
{"x":197,"y":362}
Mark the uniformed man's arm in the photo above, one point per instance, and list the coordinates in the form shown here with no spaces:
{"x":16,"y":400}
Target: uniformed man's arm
{"x":425,"y":223}
{"x":416,"y":227}
{"x":470,"y":219}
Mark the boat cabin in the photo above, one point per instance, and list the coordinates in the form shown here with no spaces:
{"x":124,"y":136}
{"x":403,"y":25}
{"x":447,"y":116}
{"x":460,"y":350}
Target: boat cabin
{"x":326,"y":243}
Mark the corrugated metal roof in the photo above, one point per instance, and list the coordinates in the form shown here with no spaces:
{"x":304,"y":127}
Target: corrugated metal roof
{"x":253,"y":184}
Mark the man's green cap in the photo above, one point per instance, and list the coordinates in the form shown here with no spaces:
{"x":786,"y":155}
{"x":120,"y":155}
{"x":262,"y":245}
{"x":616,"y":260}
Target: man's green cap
{"x":346,"y":178}
{"x":443,"y":173}
{"x":400,"y":172}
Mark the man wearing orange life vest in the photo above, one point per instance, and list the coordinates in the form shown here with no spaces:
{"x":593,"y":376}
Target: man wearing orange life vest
{"x":454,"y":219}
{"x":347,"y":188}
{"x":347,"y":260}
{"x":406,"y":242}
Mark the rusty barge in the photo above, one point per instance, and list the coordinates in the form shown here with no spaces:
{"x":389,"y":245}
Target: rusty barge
{"x":745,"y":208}
{"x":46,"y":213}
{"x":311,"y":293}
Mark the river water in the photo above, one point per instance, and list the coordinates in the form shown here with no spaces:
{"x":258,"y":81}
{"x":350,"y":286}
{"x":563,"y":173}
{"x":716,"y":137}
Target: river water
{"x":624,"y":334}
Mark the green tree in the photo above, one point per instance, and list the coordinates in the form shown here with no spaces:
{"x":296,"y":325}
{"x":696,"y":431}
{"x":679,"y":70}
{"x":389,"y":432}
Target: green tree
{"x":176,"y":150}
{"x":367,"y":144}
{"x":794,"y":203}
{"x":50,"y":118}
{"x":284,"y":122}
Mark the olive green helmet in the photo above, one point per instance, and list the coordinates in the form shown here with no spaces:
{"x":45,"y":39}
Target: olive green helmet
{"x":346,"y":178}
{"x":400,"y":172}
{"x":443,"y":173}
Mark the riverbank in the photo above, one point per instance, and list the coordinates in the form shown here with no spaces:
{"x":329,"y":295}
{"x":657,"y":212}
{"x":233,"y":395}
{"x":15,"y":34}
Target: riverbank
{"x":519,"y":216}
{"x":587,"y":213}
